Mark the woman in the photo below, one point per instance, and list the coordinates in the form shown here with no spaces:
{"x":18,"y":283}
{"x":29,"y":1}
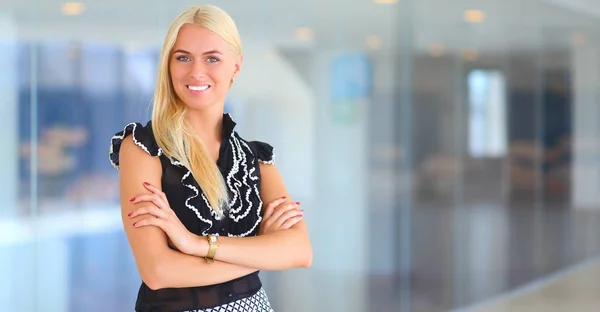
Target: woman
{"x":192,"y":190}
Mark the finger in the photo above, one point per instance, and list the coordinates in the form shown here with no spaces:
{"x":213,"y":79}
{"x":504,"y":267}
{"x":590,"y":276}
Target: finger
{"x":283,"y":209}
{"x":153,"y":198}
{"x":152,"y":210}
{"x":156,"y":191}
{"x":271,"y":206}
{"x":291,"y":222}
{"x":292,"y":213}
{"x":150,"y":221}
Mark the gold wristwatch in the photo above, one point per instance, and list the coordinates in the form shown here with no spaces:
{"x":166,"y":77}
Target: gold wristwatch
{"x":213,"y":244}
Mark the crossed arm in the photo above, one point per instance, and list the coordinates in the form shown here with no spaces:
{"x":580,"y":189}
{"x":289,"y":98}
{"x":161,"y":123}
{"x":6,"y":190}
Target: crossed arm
{"x":162,"y":267}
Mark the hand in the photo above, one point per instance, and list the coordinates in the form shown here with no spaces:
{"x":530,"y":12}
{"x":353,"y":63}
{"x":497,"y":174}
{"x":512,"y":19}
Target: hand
{"x":280,"y":215}
{"x":161,"y":215}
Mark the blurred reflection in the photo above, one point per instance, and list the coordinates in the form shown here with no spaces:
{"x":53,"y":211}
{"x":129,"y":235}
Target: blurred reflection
{"x":447,"y":156}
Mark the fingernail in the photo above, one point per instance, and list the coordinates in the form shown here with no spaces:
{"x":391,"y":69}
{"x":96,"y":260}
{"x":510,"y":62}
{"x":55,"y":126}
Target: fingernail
{"x":146,"y":183}
{"x":297,"y":203}
{"x":129,"y":214}
{"x":131,"y":200}
{"x":284,"y":197}
{"x":134,"y":223}
{"x":302,"y":211}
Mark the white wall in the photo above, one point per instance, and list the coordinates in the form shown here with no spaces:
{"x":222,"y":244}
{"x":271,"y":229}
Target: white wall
{"x":342,"y":245}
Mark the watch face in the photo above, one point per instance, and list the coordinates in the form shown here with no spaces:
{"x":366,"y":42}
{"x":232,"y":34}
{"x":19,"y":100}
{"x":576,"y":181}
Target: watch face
{"x":213,"y":239}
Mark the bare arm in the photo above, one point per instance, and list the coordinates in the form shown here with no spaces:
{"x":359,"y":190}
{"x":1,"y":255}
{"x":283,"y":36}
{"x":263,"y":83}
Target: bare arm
{"x":158,"y":265}
{"x":278,"y":250}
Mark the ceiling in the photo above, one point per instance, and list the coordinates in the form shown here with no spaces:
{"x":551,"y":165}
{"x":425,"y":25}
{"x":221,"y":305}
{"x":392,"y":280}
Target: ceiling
{"x":508,"y":24}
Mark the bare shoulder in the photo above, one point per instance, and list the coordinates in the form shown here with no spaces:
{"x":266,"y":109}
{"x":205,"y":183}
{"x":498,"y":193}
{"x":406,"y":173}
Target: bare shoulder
{"x":132,"y":156}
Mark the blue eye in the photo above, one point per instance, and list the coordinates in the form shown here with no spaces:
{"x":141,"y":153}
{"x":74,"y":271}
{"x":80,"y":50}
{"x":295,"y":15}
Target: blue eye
{"x":212,"y":59}
{"x":183,"y":58}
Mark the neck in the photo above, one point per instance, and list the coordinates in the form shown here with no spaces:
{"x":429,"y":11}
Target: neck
{"x":207,"y":123}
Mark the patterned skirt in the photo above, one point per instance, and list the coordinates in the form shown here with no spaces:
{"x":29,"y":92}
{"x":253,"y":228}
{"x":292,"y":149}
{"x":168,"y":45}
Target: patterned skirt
{"x":258,"y":302}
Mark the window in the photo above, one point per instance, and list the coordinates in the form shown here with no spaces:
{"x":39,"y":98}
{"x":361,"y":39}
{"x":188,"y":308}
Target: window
{"x":487,"y":113}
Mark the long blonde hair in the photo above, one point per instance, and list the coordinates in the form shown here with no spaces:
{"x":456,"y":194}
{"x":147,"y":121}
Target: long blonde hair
{"x":171,"y":130}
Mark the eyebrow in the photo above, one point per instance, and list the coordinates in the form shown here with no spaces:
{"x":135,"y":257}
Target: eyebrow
{"x":205,"y":53}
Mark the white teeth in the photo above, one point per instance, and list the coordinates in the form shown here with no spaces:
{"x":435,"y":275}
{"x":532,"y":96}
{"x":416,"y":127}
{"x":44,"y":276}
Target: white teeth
{"x":198,"y":88}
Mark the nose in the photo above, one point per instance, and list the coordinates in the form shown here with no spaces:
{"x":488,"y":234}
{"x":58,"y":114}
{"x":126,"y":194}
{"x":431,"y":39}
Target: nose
{"x":197,"y":70}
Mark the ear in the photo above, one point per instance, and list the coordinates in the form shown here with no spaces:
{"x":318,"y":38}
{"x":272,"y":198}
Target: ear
{"x":238,"y":65}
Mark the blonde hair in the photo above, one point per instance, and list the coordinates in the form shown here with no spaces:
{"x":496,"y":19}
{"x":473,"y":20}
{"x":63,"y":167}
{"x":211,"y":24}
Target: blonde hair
{"x":171,"y":130}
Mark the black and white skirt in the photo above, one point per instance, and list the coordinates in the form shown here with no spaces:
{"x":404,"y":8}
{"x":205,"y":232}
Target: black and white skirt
{"x":258,"y":302}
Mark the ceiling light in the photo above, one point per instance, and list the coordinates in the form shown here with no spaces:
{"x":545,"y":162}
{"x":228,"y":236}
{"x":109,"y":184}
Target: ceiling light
{"x":474,"y":16}
{"x":72,"y":8}
{"x":437,"y":50}
{"x":304,"y":33}
{"x":385,"y":1}
{"x":373,"y":42}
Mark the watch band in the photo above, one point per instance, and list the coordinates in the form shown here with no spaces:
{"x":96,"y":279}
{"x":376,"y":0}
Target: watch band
{"x":213,"y":244}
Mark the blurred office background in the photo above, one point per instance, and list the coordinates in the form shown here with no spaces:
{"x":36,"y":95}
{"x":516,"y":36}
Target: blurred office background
{"x":446,"y":152}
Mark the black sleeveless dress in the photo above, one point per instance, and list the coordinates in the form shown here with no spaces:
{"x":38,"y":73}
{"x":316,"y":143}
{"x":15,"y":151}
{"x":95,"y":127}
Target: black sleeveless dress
{"x":238,"y":162}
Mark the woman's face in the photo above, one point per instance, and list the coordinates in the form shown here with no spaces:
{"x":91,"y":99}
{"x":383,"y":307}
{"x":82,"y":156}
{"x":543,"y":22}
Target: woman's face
{"x":202,"y":67}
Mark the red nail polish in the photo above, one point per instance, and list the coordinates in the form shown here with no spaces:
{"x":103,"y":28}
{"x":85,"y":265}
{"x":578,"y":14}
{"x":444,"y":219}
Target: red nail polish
{"x":297,"y":203}
{"x":134,"y":223}
{"x":131,"y":200}
{"x":146,"y":184}
{"x":129,"y":214}
{"x":284,"y":197}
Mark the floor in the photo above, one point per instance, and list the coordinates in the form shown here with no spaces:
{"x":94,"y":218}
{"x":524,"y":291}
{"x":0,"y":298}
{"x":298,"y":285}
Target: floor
{"x":575,"y":289}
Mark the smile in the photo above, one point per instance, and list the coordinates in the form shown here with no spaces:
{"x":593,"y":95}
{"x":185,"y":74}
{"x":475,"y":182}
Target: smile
{"x":198,"y":88}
